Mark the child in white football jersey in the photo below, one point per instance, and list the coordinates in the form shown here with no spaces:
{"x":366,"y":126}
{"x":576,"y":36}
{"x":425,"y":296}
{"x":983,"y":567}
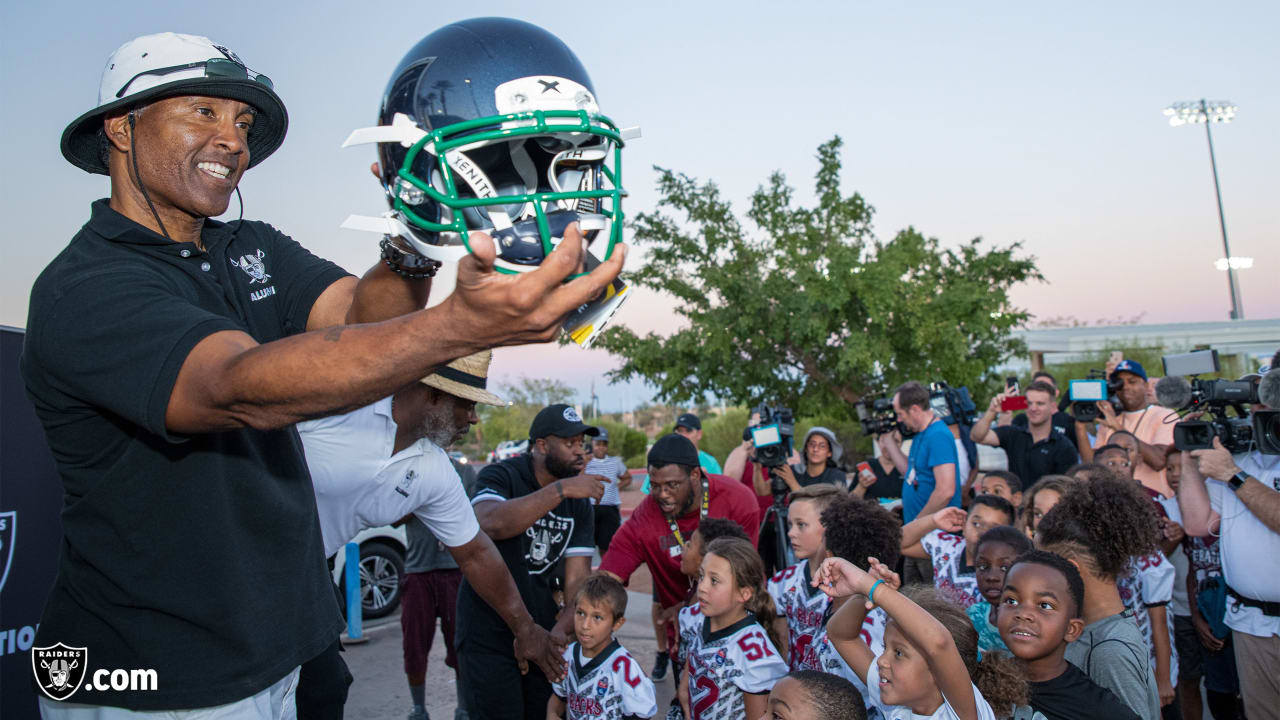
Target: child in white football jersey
{"x":689,"y":618}
{"x":603,"y":680}
{"x":934,"y":537}
{"x":857,"y":529}
{"x":803,"y":606}
{"x":733,"y":660}
{"x":1146,"y":587}
{"x":930,"y":649}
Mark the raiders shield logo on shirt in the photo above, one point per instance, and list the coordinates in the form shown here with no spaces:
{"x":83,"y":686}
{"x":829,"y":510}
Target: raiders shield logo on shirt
{"x":547,"y":539}
{"x":59,"y":669}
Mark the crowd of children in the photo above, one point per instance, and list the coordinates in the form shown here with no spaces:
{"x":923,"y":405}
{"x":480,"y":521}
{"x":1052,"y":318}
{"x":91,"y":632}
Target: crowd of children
{"x":1042,"y":607}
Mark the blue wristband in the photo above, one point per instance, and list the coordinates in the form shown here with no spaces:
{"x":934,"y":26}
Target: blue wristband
{"x":871,"y":594}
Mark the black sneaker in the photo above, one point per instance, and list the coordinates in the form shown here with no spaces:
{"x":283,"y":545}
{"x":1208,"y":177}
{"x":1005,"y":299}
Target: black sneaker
{"x":660,"y":662}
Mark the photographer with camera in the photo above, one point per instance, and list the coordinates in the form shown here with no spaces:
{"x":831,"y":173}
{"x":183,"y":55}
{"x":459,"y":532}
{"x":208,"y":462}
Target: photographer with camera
{"x":1035,"y":449}
{"x":1150,"y":423}
{"x":932,"y":481}
{"x":1238,"y":499}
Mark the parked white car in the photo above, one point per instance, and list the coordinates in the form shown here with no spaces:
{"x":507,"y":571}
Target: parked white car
{"x":511,"y":450}
{"x":382,"y":551}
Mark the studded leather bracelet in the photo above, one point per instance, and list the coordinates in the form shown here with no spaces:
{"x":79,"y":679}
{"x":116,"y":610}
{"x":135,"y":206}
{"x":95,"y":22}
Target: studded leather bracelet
{"x":407,"y":265}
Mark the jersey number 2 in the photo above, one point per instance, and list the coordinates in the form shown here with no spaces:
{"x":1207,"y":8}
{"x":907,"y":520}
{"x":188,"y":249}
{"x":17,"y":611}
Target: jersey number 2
{"x":624,"y":663}
{"x":702,"y":682}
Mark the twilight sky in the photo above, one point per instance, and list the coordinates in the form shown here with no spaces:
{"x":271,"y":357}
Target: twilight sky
{"x":1011,"y":121}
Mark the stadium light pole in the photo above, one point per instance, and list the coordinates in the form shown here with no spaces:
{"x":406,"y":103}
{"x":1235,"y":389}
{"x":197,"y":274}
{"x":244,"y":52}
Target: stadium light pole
{"x":1210,"y":112}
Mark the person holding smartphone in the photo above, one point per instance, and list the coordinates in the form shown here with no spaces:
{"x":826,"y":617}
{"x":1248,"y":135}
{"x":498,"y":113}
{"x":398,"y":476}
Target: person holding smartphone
{"x":1062,"y":421}
{"x":1034,"y":450}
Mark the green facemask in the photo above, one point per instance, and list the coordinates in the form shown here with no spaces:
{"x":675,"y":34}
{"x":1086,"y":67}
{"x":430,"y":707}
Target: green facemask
{"x":449,"y":146}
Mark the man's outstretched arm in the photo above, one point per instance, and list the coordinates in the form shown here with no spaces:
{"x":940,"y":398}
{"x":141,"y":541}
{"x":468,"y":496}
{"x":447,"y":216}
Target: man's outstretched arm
{"x":379,"y":295}
{"x":229,"y":381}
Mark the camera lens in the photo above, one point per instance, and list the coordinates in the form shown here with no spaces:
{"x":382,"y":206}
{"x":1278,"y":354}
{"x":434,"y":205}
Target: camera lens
{"x":1266,"y":431}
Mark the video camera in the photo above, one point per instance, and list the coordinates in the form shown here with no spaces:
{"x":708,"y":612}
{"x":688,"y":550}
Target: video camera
{"x":876,"y":416}
{"x":773,"y":436}
{"x":1239,"y":431}
{"x":953,"y":405}
{"x":1085,"y":395}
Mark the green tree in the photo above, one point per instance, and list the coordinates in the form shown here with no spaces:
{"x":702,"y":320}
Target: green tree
{"x":526,"y":397}
{"x":627,"y":443}
{"x":810,"y":308}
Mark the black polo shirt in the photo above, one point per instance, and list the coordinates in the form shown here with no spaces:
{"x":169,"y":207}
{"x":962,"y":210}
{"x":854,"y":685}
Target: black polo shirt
{"x":532,"y":557}
{"x":1062,"y":423}
{"x":1031,"y":460}
{"x":197,"y":556}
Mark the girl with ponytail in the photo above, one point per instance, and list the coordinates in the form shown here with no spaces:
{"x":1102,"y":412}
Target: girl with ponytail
{"x":733,"y":659}
{"x":930,"y":665}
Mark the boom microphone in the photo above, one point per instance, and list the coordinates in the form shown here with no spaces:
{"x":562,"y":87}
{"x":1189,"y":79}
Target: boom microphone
{"x":1269,"y":389}
{"x":1174,"y":392}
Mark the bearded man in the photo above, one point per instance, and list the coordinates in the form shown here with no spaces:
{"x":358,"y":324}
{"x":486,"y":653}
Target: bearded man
{"x":375,"y":466}
{"x":536,"y":508}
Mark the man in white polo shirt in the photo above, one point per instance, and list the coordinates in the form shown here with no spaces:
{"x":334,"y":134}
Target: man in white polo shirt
{"x":1238,"y":499}
{"x":375,"y":465}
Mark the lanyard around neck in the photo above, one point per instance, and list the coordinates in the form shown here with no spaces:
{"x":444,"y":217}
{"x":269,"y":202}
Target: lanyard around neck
{"x":706,"y":506}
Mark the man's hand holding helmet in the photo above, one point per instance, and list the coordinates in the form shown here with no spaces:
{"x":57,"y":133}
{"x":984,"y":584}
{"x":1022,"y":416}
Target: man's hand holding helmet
{"x":505,"y":309}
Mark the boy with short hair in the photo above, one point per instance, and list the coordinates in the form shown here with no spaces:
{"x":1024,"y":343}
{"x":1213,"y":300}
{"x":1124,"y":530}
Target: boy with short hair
{"x":797,"y":600}
{"x":1003,"y":484}
{"x":1115,"y":457}
{"x":934,"y":536}
{"x":813,"y":695}
{"x":997,"y":551}
{"x":603,"y":680}
{"x":1039,"y":614}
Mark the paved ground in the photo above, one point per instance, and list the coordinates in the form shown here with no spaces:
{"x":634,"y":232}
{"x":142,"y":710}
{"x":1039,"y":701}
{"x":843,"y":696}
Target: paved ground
{"x":380,"y":691}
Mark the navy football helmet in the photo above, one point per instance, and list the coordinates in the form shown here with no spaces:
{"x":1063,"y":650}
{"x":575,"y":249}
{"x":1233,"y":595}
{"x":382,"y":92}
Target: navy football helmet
{"x":492,"y":124}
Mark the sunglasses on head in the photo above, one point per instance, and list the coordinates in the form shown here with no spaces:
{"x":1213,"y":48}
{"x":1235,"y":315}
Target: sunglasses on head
{"x":213,"y":67}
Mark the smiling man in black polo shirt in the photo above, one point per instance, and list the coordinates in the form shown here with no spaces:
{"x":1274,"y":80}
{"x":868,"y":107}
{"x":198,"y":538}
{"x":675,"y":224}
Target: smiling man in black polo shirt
{"x":1034,"y":450}
{"x":168,"y":357}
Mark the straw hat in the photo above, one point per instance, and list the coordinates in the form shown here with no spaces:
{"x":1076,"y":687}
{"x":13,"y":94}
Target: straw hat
{"x":466,"y":378}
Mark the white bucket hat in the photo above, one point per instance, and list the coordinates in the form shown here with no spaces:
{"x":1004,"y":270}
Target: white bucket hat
{"x":837,"y":450}
{"x":154,"y":67}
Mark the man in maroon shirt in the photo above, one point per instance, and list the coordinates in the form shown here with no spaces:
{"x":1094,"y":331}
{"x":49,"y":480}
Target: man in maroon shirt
{"x":680,"y":495}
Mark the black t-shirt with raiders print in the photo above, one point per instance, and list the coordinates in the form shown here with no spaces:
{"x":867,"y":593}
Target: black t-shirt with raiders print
{"x":532,"y":556}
